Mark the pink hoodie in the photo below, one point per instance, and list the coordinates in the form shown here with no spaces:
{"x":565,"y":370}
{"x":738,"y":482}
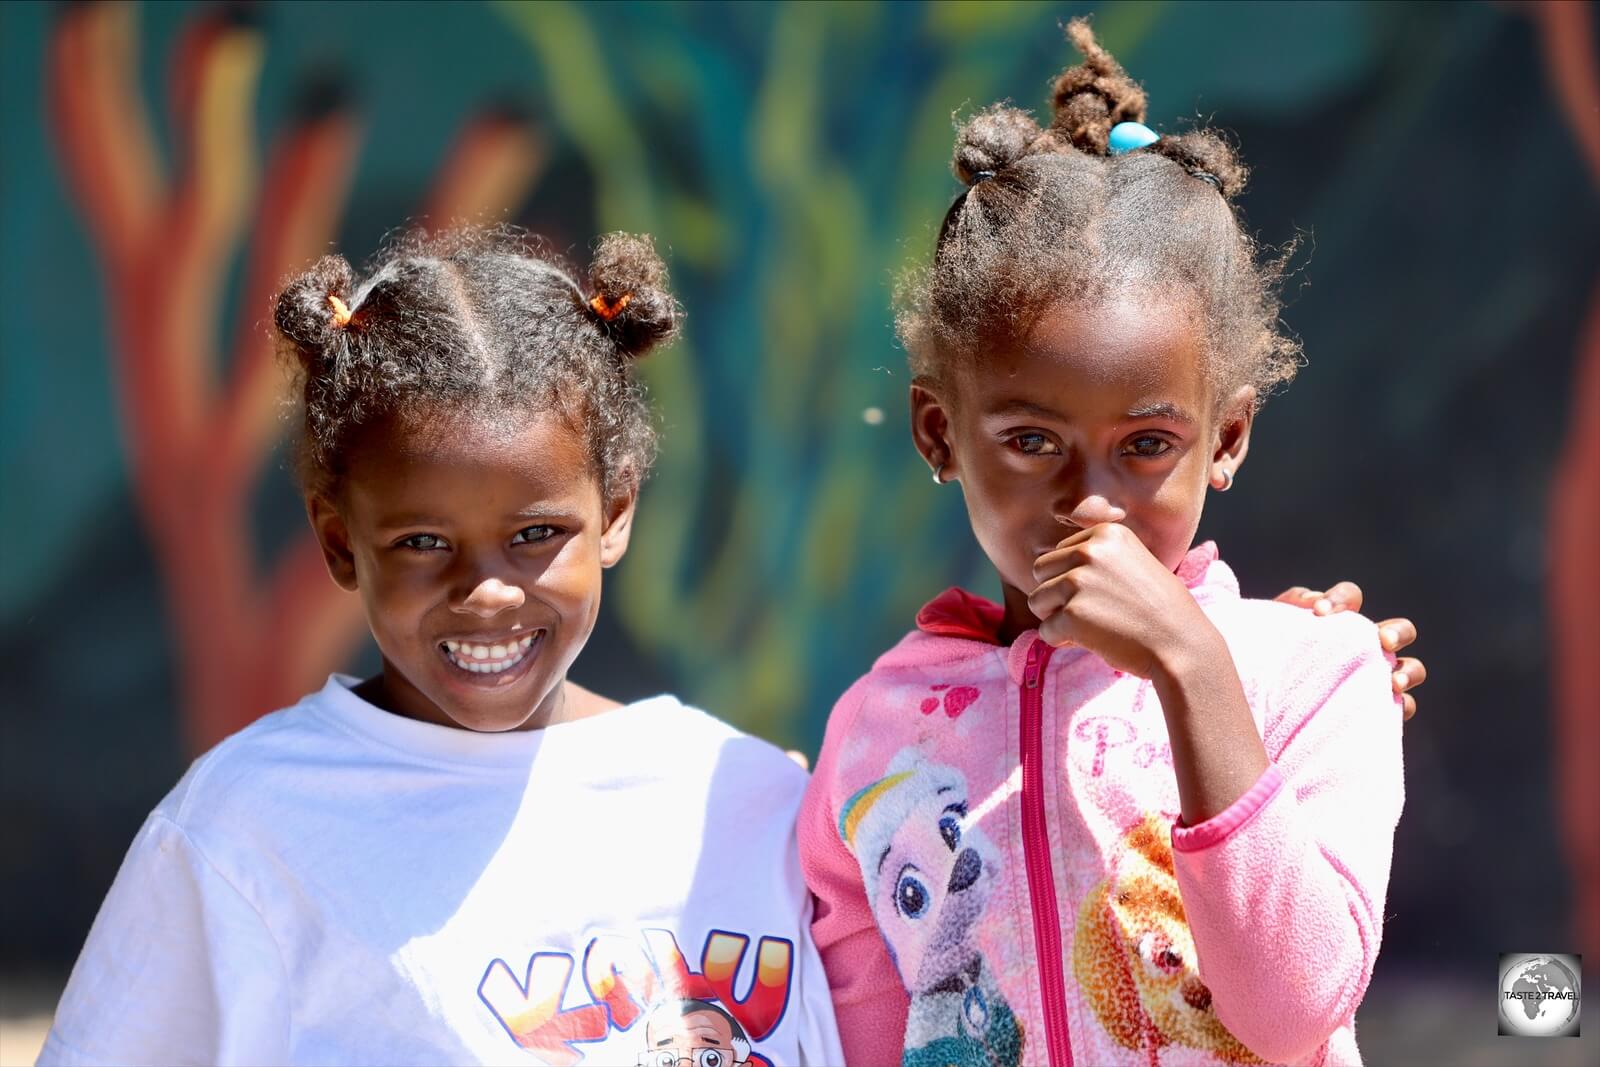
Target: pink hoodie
{"x":992,"y":836}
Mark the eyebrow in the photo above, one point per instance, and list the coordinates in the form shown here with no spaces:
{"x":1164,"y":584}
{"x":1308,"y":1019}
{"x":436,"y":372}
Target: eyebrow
{"x":1029,"y":407}
{"x":1160,"y":409}
{"x":533,"y":513}
{"x":402,"y":521}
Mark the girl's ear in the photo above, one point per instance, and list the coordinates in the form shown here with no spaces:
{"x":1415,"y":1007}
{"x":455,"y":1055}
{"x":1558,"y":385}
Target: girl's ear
{"x":930,"y":431}
{"x":334,"y":537}
{"x":619,"y":522}
{"x":1233,"y":437}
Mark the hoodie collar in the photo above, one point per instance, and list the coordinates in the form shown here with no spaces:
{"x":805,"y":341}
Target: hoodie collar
{"x":960,"y":614}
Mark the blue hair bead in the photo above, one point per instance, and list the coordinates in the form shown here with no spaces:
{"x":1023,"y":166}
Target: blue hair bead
{"x":1126,"y":136}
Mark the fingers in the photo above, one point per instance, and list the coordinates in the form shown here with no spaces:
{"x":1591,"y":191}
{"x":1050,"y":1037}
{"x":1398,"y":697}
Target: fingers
{"x":1047,"y":600}
{"x":1408,"y":674}
{"x":1055,"y":630}
{"x":1081,"y":536}
{"x":1081,"y":548}
{"x":1395,"y":634}
{"x":1345,"y":596}
{"x":1066,"y":555}
{"x":1301,"y":597}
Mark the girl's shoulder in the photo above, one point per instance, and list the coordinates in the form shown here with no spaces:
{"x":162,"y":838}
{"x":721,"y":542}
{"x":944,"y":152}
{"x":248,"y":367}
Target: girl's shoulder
{"x":1269,"y":639}
{"x":239,"y":761}
{"x":1296,"y":666}
{"x":1272,"y":642}
{"x":669,"y":732}
{"x":953,"y":628}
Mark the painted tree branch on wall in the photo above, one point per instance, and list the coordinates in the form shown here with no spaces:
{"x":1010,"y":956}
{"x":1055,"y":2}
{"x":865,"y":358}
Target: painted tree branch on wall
{"x":1573,"y":571}
{"x":200,"y":420}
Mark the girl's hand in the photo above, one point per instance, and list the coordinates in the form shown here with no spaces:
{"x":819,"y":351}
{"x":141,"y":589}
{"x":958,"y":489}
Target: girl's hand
{"x":1103,"y":590}
{"x":1393,"y":634}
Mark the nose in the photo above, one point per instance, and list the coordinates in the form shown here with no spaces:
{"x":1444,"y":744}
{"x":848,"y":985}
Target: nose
{"x":965,"y":872}
{"x":490,"y":597}
{"x":1082,"y":499}
{"x":1091,"y":510}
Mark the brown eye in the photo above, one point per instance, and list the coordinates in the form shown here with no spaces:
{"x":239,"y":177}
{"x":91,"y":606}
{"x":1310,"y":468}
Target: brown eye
{"x":1034,"y":444}
{"x":423,"y":542}
{"x":1148,"y":446}
{"x":533,"y":534}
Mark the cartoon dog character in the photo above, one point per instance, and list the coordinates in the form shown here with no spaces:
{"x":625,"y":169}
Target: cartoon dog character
{"x":1135,"y":960}
{"x":927,"y":874}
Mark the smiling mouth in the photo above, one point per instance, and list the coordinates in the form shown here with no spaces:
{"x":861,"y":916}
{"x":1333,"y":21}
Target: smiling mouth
{"x":495,"y":658}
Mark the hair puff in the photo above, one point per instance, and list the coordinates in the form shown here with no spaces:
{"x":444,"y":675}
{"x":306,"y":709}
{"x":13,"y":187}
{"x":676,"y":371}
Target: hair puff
{"x":994,"y":138}
{"x":631,"y":300}
{"x":304,"y":315}
{"x":1095,"y":95}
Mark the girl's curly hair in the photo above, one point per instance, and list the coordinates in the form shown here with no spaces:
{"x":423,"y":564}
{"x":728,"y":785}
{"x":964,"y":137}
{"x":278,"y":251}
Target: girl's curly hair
{"x":1049,"y":215}
{"x":483,"y":319}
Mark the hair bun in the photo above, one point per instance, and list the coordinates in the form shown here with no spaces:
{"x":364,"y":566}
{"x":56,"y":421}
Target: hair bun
{"x":1205,"y":155}
{"x":992,"y":139}
{"x":1095,"y":95}
{"x":631,"y":302}
{"x":305,"y":313}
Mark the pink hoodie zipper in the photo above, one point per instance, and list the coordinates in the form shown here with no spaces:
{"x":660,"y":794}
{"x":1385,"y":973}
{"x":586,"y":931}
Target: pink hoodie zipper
{"x":1036,"y":853}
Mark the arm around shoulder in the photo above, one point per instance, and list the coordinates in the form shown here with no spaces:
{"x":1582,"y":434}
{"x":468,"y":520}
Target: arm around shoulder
{"x":179,"y":968}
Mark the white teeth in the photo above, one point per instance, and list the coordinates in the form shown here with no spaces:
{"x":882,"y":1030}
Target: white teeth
{"x":489,"y":659}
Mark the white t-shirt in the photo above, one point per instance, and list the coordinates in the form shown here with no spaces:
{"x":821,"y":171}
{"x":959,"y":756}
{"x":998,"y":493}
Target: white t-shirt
{"x":337,"y":884}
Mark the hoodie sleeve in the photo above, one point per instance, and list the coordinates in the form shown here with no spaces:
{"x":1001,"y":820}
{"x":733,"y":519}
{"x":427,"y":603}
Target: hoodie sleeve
{"x":1284,"y":890}
{"x":869,"y":1000}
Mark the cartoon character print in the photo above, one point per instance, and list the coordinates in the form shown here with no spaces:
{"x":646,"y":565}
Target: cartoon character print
{"x":679,"y":1031}
{"x":927,"y":875}
{"x":1134,"y":956}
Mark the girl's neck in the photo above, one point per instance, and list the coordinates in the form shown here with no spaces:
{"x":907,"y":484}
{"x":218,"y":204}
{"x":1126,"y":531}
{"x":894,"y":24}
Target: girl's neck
{"x":568,"y":702}
{"x":1019,"y":618}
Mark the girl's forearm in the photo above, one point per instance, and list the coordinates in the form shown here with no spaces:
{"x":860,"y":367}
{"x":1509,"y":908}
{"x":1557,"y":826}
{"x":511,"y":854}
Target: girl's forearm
{"x":1216,"y":748}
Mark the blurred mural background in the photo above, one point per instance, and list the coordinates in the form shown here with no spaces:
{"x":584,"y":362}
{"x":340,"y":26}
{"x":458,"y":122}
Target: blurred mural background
{"x":163,"y":165}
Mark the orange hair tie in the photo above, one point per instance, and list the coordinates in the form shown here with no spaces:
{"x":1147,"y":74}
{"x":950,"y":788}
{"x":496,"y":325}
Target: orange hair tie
{"x":341,"y":311}
{"x":608,"y":309}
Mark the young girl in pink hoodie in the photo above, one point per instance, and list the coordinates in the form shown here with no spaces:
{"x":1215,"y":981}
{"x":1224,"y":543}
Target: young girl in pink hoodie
{"x":1125,"y":815}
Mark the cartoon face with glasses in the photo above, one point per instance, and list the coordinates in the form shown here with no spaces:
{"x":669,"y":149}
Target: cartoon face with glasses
{"x":693,"y":1033}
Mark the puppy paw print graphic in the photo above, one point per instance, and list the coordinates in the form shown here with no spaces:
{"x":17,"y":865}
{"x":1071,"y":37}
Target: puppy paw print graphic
{"x":953,"y":699}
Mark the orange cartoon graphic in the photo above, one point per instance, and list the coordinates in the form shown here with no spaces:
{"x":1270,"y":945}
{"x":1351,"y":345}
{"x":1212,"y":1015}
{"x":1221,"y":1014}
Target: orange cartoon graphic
{"x":1135,"y":959}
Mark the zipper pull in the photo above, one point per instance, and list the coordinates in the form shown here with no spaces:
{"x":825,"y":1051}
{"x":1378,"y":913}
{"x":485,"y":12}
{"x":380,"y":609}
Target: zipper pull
{"x":1030,"y":676}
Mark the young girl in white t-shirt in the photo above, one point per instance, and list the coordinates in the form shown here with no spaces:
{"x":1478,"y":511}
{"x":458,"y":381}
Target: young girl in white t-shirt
{"x":466,"y":858}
